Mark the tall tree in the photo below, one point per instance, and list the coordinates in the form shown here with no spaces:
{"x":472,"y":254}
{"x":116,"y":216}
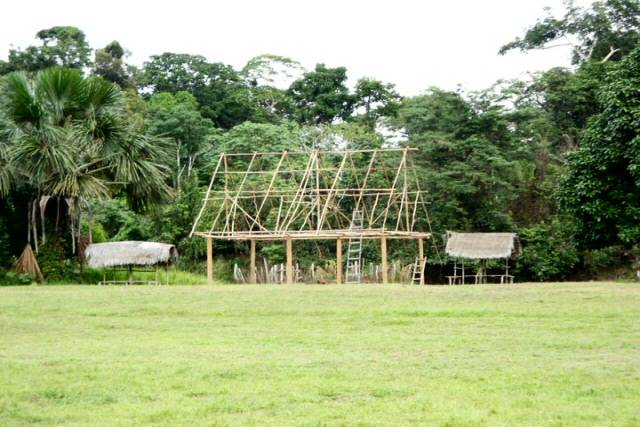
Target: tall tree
{"x":271,"y":70}
{"x":223,"y":95}
{"x":467,"y":161}
{"x":69,"y":140}
{"x":602,"y":185}
{"x":176,"y":116}
{"x":321,"y":96}
{"x":109,"y":64}
{"x":60,"y":46}
{"x":376,"y":99}
{"x":607,"y":30}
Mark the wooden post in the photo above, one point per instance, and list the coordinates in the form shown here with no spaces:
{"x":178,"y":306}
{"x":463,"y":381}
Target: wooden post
{"x":252,"y":262}
{"x":421,"y":259}
{"x":209,"y":261}
{"x":339,"y":261}
{"x":383,"y":255}
{"x":289,"y":261}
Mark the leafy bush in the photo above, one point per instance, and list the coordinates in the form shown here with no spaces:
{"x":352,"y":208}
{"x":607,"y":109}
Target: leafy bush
{"x":13,"y":278}
{"x":54,"y":265}
{"x":549,"y":250}
{"x":98,"y":233}
{"x":599,"y":260}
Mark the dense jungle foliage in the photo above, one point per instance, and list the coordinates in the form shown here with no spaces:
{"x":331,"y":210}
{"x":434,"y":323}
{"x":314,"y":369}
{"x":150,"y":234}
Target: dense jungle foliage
{"x":92,"y":147}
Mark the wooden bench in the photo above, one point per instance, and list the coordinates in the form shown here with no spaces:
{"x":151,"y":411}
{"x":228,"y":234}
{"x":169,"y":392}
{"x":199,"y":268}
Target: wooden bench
{"x":479,"y":279}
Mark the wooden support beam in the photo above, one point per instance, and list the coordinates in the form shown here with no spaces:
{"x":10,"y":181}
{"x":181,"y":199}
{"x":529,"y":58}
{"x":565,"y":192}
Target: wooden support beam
{"x":252,"y":262}
{"x":421,"y":259}
{"x":289,"y":244}
{"x":339,"y":262}
{"x":383,"y":256}
{"x":209,"y":260}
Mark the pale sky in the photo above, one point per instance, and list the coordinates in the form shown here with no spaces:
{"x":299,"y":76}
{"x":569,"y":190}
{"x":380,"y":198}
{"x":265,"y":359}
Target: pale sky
{"x":412,"y":43}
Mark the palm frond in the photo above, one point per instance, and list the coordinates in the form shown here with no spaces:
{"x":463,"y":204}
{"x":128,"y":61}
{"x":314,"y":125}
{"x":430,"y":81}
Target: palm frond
{"x":102,"y":94}
{"x":6,"y":171}
{"x":43,"y":152}
{"x":62,"y":93}
{"x":22,"y":106}
{"x":137,"y":162}
{"x":77,"y":185}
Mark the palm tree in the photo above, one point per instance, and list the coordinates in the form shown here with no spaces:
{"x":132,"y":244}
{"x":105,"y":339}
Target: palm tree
{"x":68,"y":139}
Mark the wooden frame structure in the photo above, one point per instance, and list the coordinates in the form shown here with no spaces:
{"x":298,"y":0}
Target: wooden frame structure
{"x":310,"y":195}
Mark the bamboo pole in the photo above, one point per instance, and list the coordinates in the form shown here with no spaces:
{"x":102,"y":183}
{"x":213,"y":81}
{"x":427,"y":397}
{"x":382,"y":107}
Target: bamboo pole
{"x":333,"y":152}
{"x":295,"y":203}
{"x":209,"y":261}
{"x":383,"y":255}
{"x":235,"y":199}
{"x":289,"y":244}
{"x":213,"y":177}
{"x":252,"y":263}
{"x":393,"y":187}
{"x":266,"y":194}
{"x":333,"y":186}
{"x":421,"y":259}
{"x":338,"y":261}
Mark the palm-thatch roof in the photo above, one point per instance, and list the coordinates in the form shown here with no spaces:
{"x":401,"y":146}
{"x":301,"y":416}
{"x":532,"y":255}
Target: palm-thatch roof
{"x":129,"y":253}
{"x":482,"y":245}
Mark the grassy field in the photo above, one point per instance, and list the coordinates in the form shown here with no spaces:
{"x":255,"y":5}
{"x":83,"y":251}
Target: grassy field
{"x":525,"y":354}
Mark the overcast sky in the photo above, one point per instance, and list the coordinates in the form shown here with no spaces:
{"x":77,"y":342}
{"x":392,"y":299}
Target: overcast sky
{"x":412,"y":43}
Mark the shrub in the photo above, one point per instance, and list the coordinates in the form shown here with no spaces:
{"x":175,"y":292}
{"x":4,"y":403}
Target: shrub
{"x":549,"y":251}
{"x":54,"y":265}
{"x":13,"y":278}
{"x":598,"y":260}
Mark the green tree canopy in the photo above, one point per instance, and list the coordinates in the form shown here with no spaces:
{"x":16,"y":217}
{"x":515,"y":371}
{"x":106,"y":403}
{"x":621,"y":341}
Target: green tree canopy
{"x":607,"y":30}
{"x":602,"y":185}
{"x":109,"y":64}
{"x":376,"y":99}
{"x":68,"y":138}
{"x":321,"y":96}
{"x":221,"y":92}
{"x":176,"y":116}
{"x":60,"y":46}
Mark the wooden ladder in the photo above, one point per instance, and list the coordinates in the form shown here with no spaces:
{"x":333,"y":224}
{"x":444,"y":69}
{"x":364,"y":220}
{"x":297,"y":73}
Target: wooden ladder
{"x":354,"y":253}
{"x":417,"y":276}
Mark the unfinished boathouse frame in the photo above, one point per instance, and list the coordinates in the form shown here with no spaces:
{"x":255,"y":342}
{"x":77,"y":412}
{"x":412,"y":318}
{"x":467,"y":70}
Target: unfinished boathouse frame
{"x":312,"y":195}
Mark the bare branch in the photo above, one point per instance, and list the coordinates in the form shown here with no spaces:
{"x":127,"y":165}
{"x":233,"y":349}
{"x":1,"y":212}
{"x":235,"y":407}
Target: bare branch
{"x":612,"y":51}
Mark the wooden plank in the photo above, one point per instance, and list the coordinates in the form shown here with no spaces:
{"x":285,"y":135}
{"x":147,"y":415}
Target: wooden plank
{"x":252,"y":263}
{"x":383,"y":256}
{"x":209,"y":260}
{"x":339,"y":261}
{"x":289,"y":244}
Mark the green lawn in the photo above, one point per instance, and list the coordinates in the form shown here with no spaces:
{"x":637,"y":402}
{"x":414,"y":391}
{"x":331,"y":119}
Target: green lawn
{"x":524,"y":354}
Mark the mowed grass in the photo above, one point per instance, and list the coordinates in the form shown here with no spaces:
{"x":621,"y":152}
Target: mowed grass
{"x":524,"y":354}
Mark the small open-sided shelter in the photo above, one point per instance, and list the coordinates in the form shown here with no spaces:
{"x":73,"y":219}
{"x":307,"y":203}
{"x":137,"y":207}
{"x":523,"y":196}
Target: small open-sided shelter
{"x":480,"y":247}
{"x":130,"y":254}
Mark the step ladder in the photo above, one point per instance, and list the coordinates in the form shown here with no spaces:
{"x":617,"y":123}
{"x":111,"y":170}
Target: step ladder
{"x":354,"y":253}
{"x":417,"y":275}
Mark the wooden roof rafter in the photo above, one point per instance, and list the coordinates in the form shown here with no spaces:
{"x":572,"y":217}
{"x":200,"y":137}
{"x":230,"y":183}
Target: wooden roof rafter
{"x":306,"y":195}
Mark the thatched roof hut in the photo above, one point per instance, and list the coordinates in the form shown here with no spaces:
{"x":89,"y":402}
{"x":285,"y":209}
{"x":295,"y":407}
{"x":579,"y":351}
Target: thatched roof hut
{"x":129,"y":253}
{"x":482,"y":245}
